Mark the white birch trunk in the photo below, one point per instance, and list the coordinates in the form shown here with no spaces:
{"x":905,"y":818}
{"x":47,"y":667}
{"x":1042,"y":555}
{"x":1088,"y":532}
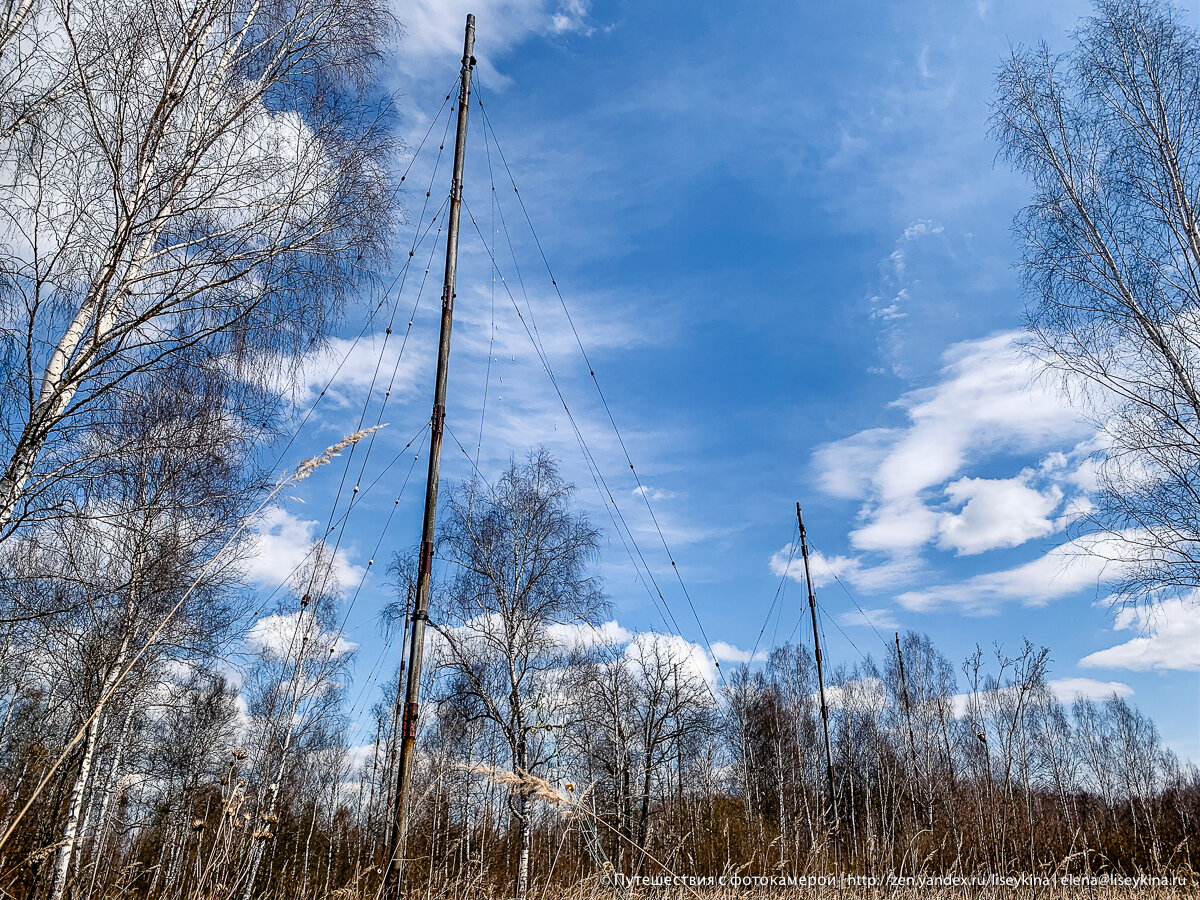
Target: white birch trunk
{"x":523,"y":841}
{"x":111,"y":788}
{"x":62,"y":864}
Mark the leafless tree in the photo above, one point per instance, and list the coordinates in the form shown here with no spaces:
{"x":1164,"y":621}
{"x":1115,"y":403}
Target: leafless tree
{"x":181,"y":186}
{"x":1109,"y":135}
{"x":521,"y":555}
{"x":87,"y":591}
{"x":636,"y":712}
{"x":671,"y":713}
{"x":599,"y":735}
{"x":295,"y":693}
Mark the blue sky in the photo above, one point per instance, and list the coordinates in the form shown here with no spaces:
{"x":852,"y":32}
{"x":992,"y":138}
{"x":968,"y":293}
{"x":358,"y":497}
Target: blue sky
{"x":783,"y":236}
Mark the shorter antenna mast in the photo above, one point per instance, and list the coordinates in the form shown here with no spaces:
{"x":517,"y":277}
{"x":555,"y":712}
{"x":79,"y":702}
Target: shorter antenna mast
{"x":812,"y":608}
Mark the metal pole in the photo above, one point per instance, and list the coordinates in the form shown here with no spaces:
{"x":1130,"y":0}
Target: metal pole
{"x":812,"y":608}
{"x":397,"y":716}
{"x":912,"y":740}
{"x":391,"y":881}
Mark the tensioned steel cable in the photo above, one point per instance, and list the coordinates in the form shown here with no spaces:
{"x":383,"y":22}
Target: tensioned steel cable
{"x":604,"y":400}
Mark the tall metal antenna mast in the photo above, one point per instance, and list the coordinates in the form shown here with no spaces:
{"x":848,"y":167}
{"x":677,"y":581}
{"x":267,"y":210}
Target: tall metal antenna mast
{"x":420,"y":614}
{"x":812,"y":608}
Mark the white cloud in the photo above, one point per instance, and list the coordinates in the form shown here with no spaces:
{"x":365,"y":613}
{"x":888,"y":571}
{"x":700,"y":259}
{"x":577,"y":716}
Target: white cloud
{"x":572,"y":16}
{"x":921,"y":227}
{"x":582,"y":636}
{"x":1070,"y":689}
{"x":788,"y":561}
{"x":846,"y":466}
{"x":1065,"y":690}
{"x":280,"y":634}
{"x":282,"y":543}
{"x":997,"y":512}
{"x":868,"y":693}
{"x":893,"y":301}
{"x":848,"y":568}
{"x":646,"y":644}
{"x":434,"y":28}
{"x":347,"y":369}
{"x":988,"y":399}
{"x":987,"y":402}
{"x":1070,"y":567}
{"x":1169,"y":638}
{"x":897,"y":526}
{"x":653,"y":493}
{"x":868,"y":618}
{"x":729,"y":653}
{"x":357,"y":758}
{"x":923,"y":69}
{"x":892,"y":311}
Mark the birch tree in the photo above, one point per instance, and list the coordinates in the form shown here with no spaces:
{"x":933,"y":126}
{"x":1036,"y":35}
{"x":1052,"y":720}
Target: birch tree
{"x":181,"y":185}
{"x":521,"y":557}
{"x":296,"y":691}
{"x":94,"y":588}
{"x":1109,"y":135}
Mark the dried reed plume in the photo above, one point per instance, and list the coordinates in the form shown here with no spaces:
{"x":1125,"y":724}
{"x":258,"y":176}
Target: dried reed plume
{"x":313,"y":463}
{"x":525,"y":784}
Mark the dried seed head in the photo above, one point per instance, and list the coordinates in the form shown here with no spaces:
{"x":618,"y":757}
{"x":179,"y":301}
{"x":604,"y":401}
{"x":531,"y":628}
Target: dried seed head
{"x":309,"y":466}
{"x":198,"y":825}
{"x":239,"y":753}
{"x":523,"y":783}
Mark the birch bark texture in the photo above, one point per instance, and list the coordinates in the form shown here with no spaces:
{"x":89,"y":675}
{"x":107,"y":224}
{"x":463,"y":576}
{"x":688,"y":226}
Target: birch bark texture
{"x":191,"y":186}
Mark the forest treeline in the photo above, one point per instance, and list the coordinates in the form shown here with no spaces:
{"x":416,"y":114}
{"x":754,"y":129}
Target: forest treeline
{"x":555,"y":748}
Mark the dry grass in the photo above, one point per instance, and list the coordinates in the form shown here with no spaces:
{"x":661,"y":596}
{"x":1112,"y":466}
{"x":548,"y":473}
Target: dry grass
{"x":593,"y":889}
{"x":735,"y":884}
{"x":310,"y":465}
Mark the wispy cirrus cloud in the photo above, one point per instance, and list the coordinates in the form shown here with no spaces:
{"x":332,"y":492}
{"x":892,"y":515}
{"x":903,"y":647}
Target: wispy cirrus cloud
{"x":827,"y":570}
{"x":869,"y":618}
{"x":1077,"y":564}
